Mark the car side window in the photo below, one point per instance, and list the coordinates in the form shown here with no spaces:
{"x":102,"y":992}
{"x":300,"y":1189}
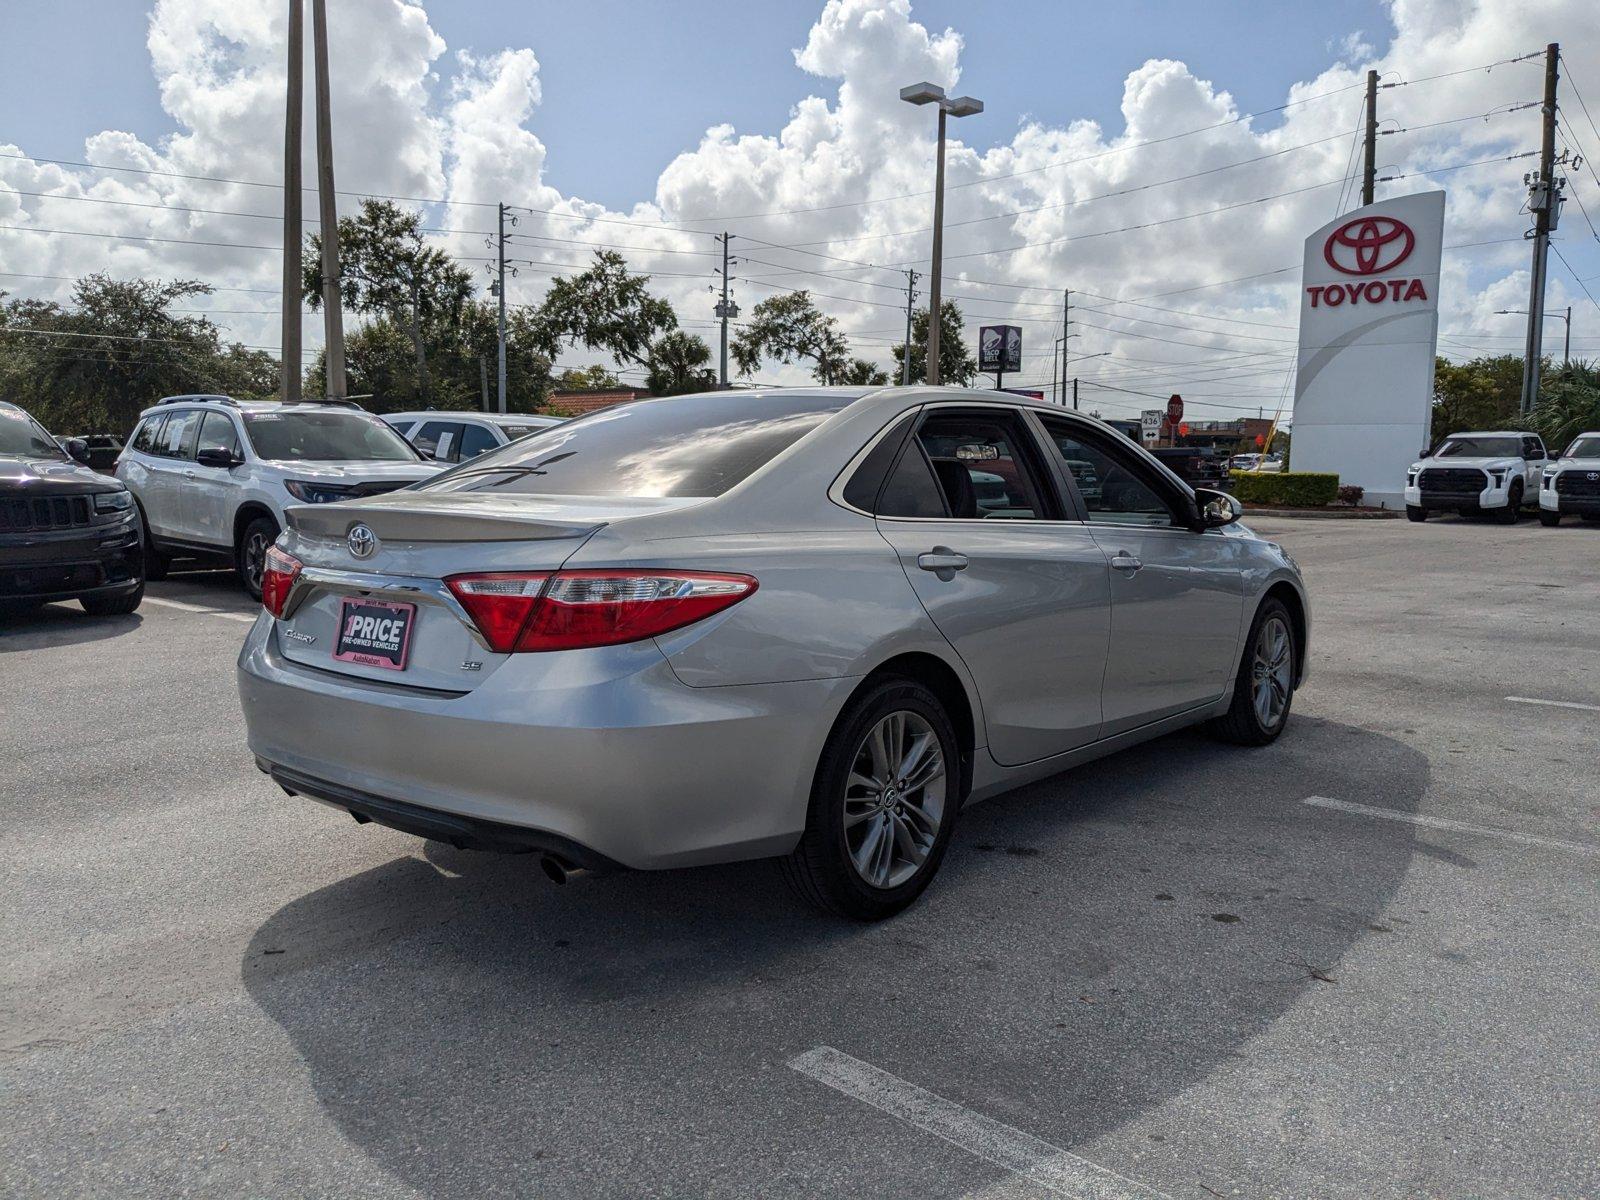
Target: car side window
{"x":911,"y":489}
{"x":438,"y":438}
{"x":475,"y":440}
{"x":149,"y":435}
{"x":178,"y":438}
{"x":217,"y":433}
{"x":1531,"y":448}
{"x":981,"y":469}
{"x":1115,"y":488}
{"x":403,"y":428}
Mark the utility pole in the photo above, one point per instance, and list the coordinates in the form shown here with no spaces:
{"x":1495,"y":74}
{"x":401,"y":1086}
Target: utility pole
{"x":328,"y":209}
{"x":1066,"y":314}
{"x":500,"y":327}
{"x":1369,"y":169}
{"x":726,"y":310}
{"x":1544,"y":200}
{"x":1074,"y":393}
{"x":938,"y":260}
{"x":291,"y":206}
{"x":483,"y":383}
{"x":911,"y":299}
{"x":1566,"y":343}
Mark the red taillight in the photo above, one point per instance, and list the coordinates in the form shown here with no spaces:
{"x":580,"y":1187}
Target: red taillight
{"x":569,"y":610}
{"x":278,"y":574}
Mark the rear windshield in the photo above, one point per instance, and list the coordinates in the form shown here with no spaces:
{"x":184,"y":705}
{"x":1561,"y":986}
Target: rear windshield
{"x":20,"y":437}
{"x":1481,"y":447}
{"x":686,"y":446}
{"x":339,"y":436}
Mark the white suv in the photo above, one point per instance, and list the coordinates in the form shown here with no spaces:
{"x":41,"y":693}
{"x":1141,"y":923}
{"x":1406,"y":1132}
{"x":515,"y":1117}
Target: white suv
{"x":1474,"y":473}
{"x":450,"y":437}
{"x":1572,"y":482}
{"x":212,"y":475}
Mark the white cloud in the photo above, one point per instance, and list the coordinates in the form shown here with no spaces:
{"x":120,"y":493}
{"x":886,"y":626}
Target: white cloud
{"x":473,"y":138}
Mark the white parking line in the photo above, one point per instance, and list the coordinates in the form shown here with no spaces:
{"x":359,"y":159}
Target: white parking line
{"x":1554,"y":703}
{"x":1046,"y":1166}
{"x":196,"y":608}
{"x":1508,"y":835}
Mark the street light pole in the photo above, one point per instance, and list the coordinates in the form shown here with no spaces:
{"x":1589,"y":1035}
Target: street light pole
{"x":959,"y":106}
{"x":1566,"y":341}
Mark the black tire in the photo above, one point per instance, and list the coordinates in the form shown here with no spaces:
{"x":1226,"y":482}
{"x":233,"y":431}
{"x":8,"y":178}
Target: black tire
{"x":1416,"y":513}
{"x":820,"y":868}
{"x":251,"y":552}
{"x":113,"y":606}
{"x":1549,"y":519}
{"x":1243,"y":724}
{"x":1513,"y":509}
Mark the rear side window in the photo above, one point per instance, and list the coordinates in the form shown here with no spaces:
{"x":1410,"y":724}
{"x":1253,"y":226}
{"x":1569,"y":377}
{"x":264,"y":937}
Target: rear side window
{"x":149,"y":435}
{"x":911,"y":489}
{"x":866,"y":483}
{"x":684,"y":446}
{"x":982,"y":466}
{"x":476,"y":440}
{"x":178,"y":437}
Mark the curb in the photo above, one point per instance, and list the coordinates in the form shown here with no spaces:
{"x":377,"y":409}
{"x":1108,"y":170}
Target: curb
{"x":1326,"y":514}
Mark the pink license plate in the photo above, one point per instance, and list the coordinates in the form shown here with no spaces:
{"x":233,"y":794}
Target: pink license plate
{"x":374,"y":633}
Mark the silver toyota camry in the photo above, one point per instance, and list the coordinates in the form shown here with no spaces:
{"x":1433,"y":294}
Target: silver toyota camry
{"x":810,"y":624}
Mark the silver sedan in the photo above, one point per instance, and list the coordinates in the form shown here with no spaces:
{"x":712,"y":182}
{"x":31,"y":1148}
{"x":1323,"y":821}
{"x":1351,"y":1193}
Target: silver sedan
{"x":810,"y":624}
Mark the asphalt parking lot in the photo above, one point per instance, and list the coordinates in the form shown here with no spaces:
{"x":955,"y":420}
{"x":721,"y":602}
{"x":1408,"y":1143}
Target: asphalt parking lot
{"x":1361,"y":962}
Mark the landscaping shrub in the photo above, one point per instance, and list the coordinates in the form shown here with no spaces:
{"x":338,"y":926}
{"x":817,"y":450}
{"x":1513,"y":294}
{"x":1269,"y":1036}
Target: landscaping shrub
{"x":1351,"y":493}
{"x":1301,"y":489}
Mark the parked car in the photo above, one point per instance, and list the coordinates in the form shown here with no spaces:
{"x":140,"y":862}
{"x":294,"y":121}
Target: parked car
{"x":213,"y":476}
{"x":1571,"y":483}
{"x":764,"y":623}
{"x":1477,"y":473}
{"x":457,"y":436}
{"x":66,"y":533}
{"x":102,"y":450}
{"x":1256,"y":462}
{"x":1198,"y":466}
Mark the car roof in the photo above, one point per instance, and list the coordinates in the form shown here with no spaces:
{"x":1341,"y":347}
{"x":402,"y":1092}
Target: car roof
{"x":224,"y":403}
{"x":496,"y":418}
{"x":1493,"y":433}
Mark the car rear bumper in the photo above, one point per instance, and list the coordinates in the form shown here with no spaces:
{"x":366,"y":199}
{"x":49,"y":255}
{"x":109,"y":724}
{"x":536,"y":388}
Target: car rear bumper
{"x":65,"y":564}
{"x":628,"y":765}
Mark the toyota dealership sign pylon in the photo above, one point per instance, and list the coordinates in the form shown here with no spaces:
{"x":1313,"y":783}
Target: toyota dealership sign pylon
{"x":1369,"y":327}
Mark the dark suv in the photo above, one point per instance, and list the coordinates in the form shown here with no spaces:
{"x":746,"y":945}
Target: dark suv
{"x":1198,"y":466}
{"x":66,"y":532}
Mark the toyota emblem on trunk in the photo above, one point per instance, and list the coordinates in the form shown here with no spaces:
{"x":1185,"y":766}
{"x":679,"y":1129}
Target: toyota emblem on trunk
{"x":362,"y":541}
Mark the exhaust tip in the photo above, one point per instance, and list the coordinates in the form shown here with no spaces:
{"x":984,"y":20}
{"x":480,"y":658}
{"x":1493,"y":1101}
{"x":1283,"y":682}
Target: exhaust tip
{"x":555,"y":870}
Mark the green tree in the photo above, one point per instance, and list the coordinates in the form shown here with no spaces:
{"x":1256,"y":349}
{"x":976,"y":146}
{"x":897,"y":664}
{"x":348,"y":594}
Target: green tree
{"x":1485,"y":393}
{"x":1569,"y":404}
{"x":679,"y":363}
{"x":388,"y":269}
{"x":586,"y":379}
{"x":789,"y":327}
{"x":956,"y":364}
{"x":865,"y":372}
{"x":606,"y":308}
{"x":91,"y":365}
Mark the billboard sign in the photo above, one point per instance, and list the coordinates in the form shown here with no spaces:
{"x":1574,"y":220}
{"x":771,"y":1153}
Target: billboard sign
{"x":999,"y":348}
{"x":1369,"y":324}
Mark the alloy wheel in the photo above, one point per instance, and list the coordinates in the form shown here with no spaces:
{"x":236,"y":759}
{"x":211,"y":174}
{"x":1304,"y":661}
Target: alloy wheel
{"x":255,"y":559}
{"x":1271,"y":672}
{"x":894,"y":799}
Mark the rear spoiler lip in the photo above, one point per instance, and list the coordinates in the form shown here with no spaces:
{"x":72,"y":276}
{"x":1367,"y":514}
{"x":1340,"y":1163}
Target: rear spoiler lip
{"x":421,"y":525}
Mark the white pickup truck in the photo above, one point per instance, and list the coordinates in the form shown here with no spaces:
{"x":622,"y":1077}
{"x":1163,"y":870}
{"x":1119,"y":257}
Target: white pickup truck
{"x":1572,"y":482}
{"x":1476,"y":473}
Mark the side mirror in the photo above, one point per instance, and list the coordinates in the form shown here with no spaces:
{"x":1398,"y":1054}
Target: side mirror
{"x":216,"y":456}
{"x":77,"y":449}
{"x":1216,"y":509}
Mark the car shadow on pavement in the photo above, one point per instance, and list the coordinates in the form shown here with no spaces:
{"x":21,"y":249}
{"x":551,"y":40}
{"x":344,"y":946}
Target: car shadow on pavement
{"x":1095,"y":945}
{"x":60,"y":625}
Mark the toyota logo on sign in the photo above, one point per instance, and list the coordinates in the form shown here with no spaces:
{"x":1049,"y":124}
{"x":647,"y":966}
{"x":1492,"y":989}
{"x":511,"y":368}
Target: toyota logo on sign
{"x":1369,"y":245}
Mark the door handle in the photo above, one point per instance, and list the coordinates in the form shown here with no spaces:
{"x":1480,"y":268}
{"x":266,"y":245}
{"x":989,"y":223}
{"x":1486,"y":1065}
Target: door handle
{"x":189,"y":475}
{"x":1123,"y":561}
{"x":942,"y":560}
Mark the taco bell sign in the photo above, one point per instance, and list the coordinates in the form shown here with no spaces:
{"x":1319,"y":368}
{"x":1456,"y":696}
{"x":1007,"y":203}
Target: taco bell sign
{"x":1369,"y":325}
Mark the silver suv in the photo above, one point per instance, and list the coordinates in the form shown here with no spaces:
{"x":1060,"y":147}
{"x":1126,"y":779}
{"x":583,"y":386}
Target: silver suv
{"x":212,"y":475}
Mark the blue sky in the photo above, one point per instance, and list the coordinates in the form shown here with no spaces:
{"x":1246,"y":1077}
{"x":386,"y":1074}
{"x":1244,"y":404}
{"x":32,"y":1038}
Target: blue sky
{"x":695,"y":63}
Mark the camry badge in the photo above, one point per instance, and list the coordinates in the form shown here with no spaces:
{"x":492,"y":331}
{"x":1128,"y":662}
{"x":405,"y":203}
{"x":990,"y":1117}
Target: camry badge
{"x":363,"y":543}
{"x":294,"y":635}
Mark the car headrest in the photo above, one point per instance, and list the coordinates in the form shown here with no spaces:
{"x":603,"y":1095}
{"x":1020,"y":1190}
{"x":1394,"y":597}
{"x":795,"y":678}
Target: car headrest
{"x":956,"y":483}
